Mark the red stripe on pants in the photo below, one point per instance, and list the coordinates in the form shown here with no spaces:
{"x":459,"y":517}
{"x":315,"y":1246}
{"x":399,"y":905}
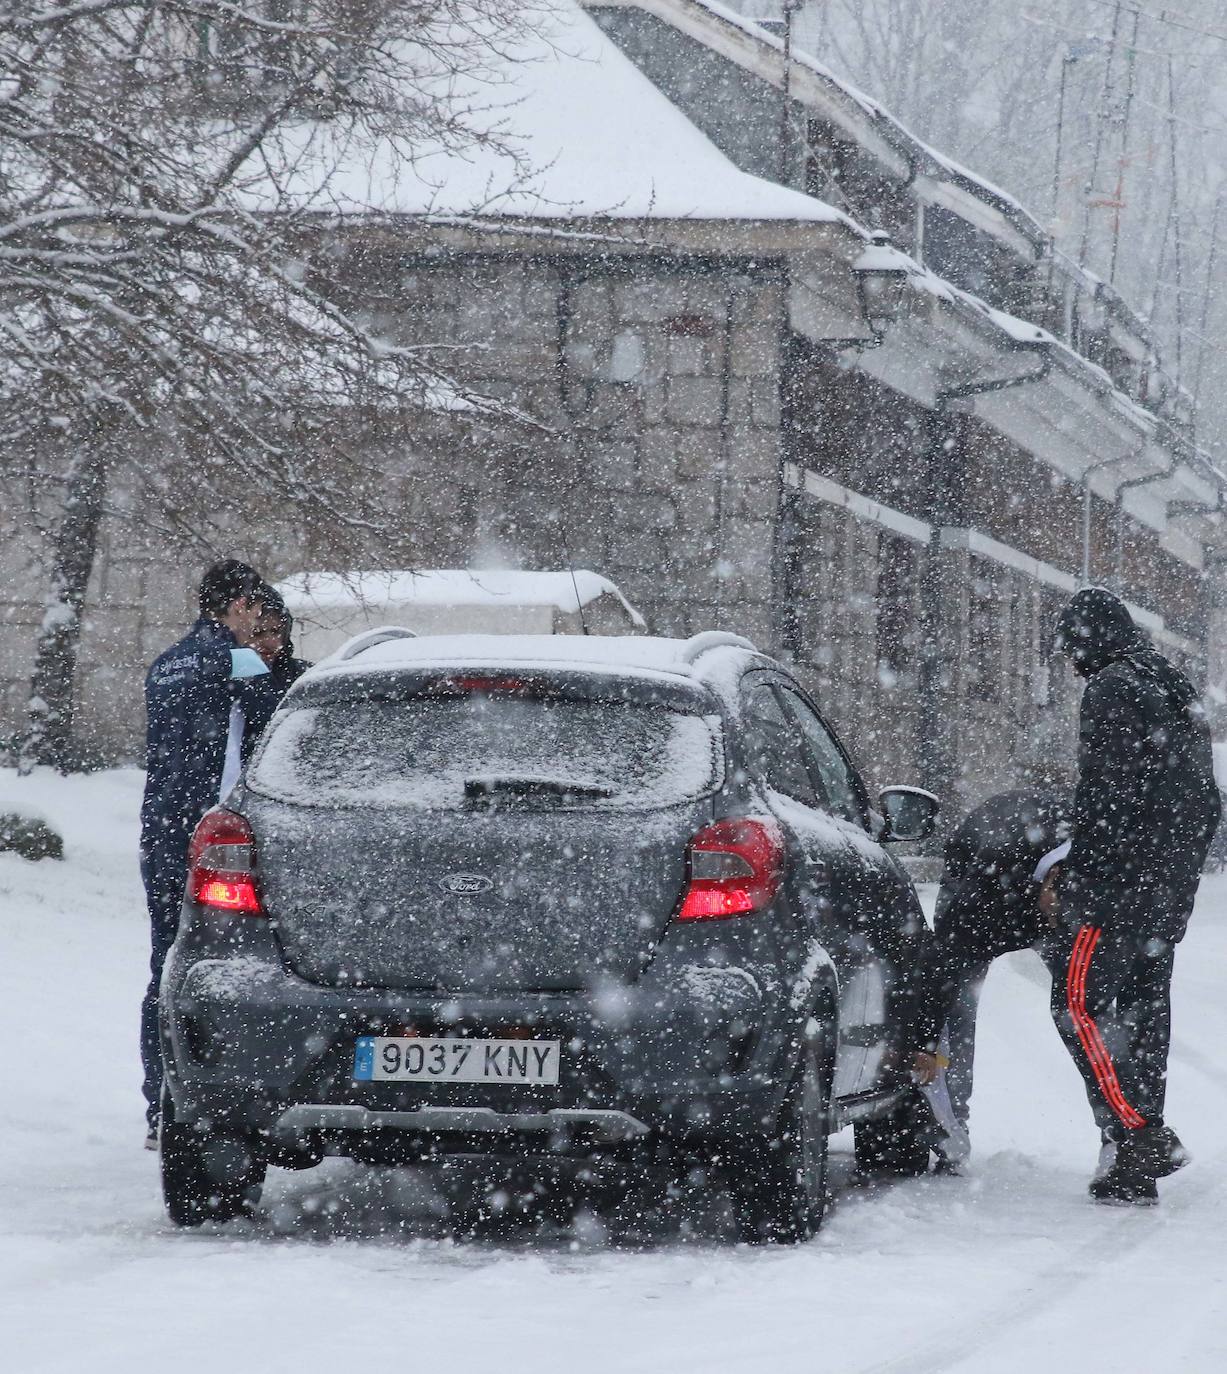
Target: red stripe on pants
{"x":1088,"y":1032}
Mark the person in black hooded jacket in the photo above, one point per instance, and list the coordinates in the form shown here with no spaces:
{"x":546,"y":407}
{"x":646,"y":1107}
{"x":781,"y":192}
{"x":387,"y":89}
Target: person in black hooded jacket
{"x":988,"y":905}
{"x":1145,"y":811}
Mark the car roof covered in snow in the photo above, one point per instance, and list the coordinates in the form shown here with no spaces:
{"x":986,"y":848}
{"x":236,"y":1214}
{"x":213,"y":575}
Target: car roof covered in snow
{"x":704,"y":657}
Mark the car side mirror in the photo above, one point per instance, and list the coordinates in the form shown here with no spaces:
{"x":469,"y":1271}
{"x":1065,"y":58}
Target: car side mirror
{"x":910,"y":813}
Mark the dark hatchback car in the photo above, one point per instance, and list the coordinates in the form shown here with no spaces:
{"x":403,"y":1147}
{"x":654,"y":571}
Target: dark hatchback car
{"x":553,"y":902}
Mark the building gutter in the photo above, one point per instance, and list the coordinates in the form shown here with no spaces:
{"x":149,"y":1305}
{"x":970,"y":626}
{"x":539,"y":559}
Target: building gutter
{"x":1086,"y":506}
{"x":965,"y":390}
{"x":1129,"y":485}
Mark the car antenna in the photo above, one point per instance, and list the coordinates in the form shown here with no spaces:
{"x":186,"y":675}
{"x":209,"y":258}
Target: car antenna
{"x":579,"y":605}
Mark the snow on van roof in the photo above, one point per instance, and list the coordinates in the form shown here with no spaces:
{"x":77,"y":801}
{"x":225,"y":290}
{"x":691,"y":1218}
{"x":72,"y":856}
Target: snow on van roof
{"x":636,"y":654}
{"x":573,"y":129}
{"x":313,"y":591}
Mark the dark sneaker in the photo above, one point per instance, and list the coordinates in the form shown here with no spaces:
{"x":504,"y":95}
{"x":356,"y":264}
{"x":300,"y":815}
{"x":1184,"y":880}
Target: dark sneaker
{"x":1120,"y":1192}
{"x":1107,"y":1158}
{"x":1127,"y":1170}
{"x":151,"y":1136}
{"x":1158,"y":1151}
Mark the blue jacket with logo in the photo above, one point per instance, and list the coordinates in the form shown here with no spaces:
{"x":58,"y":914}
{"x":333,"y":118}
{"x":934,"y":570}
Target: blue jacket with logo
{"x":188,"y":694}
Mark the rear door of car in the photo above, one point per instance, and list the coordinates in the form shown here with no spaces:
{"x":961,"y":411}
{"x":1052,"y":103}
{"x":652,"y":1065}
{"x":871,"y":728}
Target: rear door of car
{"x":836,"y":861}
{"x":877,"y":916}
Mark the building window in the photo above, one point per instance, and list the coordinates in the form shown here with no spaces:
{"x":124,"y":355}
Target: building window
{"x":1051,"y":604}
{"x":985,"y":633}
{"x":898,"y":630}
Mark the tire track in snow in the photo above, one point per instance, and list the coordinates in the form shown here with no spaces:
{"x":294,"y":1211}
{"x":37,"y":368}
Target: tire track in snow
{"x":1040,"y":1291}
{"x":1202,"y":1063}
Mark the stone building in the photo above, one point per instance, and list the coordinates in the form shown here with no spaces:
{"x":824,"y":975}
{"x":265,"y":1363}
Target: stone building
{"x":887,"y":462}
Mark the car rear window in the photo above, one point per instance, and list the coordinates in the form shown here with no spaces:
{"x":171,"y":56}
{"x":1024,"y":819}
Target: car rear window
{"x":453,"y":752}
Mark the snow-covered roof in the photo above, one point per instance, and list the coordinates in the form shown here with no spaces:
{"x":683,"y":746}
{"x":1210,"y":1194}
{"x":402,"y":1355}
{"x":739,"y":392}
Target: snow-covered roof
{"x":331,"y":608}
{"x":308,"y":592}
{"x":1018,"y":332}
{"x":578,"y":132}
{"x":754,"y":29}
{"x":885,"y":123}
{"x":862,"y":115}
{"x":981,"y":187}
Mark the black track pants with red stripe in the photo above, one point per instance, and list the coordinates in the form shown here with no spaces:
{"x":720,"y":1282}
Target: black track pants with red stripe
{"x":1111,"y":1001}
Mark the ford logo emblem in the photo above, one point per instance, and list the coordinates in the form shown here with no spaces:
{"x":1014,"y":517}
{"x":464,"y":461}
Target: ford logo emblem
{"x":465,"y":884}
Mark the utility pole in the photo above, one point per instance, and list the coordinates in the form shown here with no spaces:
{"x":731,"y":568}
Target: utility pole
{"x":1205,"y":299}
{"x":1176,"y":226}
{"x":1124,"y":143}
{"x":1104,"y":102}
{"x":785,"y":161}
{"x":1067,"y":61}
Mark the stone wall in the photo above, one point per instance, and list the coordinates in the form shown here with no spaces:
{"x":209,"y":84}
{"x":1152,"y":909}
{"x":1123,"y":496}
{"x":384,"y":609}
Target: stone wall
{"x":655,"y":461}
{"x":658,"y":388}
{"x":653,"y":455}
{"x":833,"y":586}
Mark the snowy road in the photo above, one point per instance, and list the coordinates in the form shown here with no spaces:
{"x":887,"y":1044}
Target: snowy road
{"x":1008,"y":1269}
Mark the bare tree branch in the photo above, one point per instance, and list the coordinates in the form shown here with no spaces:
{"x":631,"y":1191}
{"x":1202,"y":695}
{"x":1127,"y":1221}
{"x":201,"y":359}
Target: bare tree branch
{"x":169,"y":312}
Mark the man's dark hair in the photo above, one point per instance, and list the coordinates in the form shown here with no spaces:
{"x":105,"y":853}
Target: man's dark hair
{"x":225,"y":583}
{"x":272,"y":604}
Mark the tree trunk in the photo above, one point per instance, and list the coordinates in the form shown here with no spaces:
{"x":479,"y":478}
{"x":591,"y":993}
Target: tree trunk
{"x":49,"y":737}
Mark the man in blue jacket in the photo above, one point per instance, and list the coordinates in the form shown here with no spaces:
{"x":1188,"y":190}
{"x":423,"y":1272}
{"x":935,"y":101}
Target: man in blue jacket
{"x":188,"y":695}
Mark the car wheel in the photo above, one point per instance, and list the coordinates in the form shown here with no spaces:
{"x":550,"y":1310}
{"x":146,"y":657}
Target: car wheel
{"x":205,"y":1177}
{"x":895,"y":1145}
{"x":779,"y":1186}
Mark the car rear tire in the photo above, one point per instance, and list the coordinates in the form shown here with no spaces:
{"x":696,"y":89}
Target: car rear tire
{"x":779,"y":1187}
{"x":893,"y":1146}
{"x":206,"y":1176}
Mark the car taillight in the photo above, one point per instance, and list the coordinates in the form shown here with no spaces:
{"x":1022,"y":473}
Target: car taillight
{"x":222,"y":864}
{"x":479,"y":686}
{"x":733,"y":868}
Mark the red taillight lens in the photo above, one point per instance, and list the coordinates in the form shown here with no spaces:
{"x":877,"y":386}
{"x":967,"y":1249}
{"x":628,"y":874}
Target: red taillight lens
{"x":734,"y":867}
{"x":222,"y":864}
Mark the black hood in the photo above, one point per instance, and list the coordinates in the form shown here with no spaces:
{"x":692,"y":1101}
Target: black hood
{"x":1096,"y":629}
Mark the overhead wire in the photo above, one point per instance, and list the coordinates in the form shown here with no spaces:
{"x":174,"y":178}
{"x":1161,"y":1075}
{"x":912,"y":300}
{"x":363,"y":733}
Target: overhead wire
{"x":1165,"y":16}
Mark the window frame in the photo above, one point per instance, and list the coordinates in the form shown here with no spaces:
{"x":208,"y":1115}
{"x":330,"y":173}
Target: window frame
{"x":860,"y":795}
{"x":764,"y":681}
{"x":781,"y":686}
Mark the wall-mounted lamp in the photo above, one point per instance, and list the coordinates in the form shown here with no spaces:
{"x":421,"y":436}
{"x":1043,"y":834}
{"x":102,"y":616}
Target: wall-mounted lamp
{"x":882,"y":279}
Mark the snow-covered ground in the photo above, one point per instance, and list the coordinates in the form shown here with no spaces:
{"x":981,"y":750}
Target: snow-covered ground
{"x":1008,"y":1269}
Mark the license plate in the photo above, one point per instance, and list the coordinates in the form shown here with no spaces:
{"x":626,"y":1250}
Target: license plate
{"x":415,"y":1059}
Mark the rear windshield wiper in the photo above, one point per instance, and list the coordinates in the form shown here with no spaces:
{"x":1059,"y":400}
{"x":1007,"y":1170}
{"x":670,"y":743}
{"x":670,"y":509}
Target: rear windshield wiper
{"x":516,"y":785}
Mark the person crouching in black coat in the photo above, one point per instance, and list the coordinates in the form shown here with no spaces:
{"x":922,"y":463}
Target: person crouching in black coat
{"x":988,"y":905}
{"x":1145,"y":811}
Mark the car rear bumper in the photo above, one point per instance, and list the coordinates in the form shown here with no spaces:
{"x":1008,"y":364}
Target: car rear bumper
{"x":249,"y":1042}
